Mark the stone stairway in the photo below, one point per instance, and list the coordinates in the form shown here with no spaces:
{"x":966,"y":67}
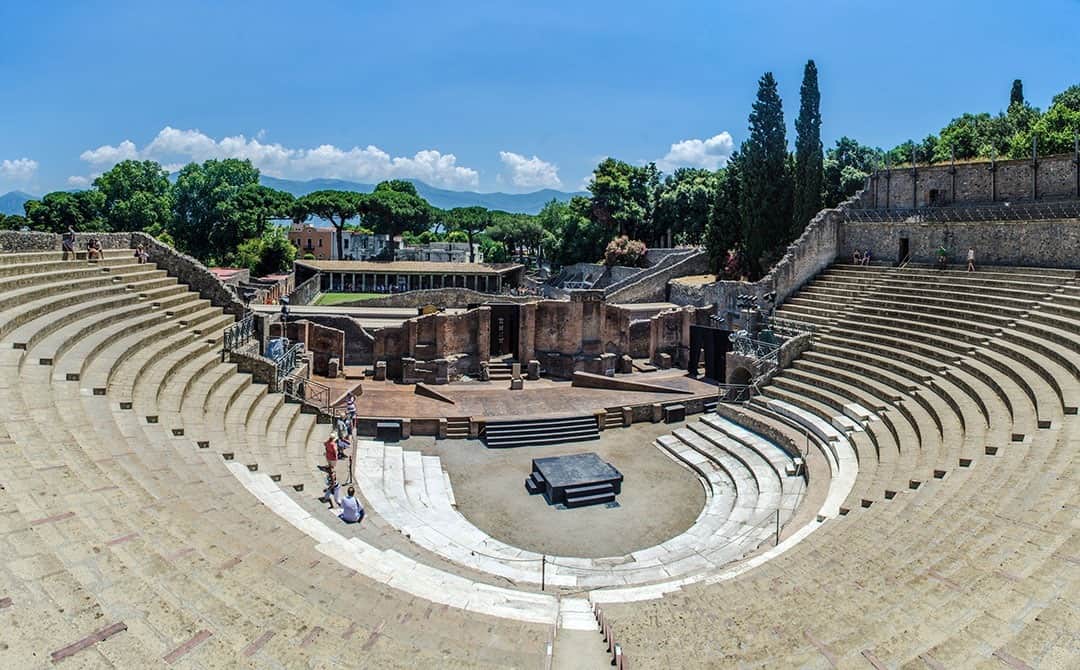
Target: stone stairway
{"x":957,"y":544}
{"x":524,"y":432}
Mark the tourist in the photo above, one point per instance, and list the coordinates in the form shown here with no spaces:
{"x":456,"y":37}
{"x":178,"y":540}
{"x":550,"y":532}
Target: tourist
{"x":140,"y":254}
{"x":971,"y":259}
{"x":332,"y":492}
{"x":856,"y":257}
{"x":350,"y":408}
{"x":351,"y":509}
{"x":67,"y":242}
{"x":866,"y":258}
{"x":343,"y":426}
{"x":331,"y":451}
{"x":942,"y":257}
{"x":93,"y":250}
{"x":343,"y":445}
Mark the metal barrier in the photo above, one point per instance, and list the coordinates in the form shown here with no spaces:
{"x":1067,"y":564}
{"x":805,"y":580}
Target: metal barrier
{"x":238,"y":334}
{"x":790,"y":327}
{"x":1067,"y":209}
{"x":618,"y":659}
{"x":736,"y":393}
{"x":286,"y":363}
{"x":307,"y":391}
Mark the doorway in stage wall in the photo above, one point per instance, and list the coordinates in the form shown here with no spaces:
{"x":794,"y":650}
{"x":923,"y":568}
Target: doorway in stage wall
{"x":904,"y":251}
{"x":714,"y":343}
{"x":504,"y":329}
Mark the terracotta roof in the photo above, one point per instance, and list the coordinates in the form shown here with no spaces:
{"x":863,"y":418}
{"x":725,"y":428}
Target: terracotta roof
{"x":412,"y":267}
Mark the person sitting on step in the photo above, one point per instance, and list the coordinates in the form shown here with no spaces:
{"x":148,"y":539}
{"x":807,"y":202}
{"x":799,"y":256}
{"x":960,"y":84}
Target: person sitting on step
{"x":856,"y":257}
{"x":93,"y":250}
{"x":866,"y":258}
{"x":343,"y":445}
{"x":351,"y":509}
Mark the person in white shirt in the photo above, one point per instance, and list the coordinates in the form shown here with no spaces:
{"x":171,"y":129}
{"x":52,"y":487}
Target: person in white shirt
{"x":971,"y":259}
{"x":351,"y":509}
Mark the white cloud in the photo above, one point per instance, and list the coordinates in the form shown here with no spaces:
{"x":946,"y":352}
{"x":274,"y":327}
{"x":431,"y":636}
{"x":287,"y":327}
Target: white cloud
{"x":530,"y":172}
{"x":173,"y":147}
{"x":710,"y":153}
{"x":78,"y":182}
{"x":19,"y":170}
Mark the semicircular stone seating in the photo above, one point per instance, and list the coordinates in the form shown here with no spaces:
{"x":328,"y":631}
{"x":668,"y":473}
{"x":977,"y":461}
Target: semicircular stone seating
{"x":157,"y":505}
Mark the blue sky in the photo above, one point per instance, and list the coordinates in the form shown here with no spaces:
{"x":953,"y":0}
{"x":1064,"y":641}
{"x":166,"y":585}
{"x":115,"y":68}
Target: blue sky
{"x":487,"y":96}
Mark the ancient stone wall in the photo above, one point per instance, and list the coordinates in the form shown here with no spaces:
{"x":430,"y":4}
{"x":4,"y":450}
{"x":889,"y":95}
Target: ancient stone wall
{"x":306,"y":292}
{"x":441,"y":297}
{"x":651,"y":285}
{"x":262,"y":369}
{"x":1039,"y":243}
{"x":1054,"y":177}
{"x":18,"y":240}
{"x":189,"y":271}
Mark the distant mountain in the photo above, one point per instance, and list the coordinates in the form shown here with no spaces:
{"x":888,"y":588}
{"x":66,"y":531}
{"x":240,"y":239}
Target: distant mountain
{"x":12,"y":203}
{"x":526,"y":203}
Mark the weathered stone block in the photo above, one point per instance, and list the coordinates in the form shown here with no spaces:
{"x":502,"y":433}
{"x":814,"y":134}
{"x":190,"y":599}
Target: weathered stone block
{"x":517,"y":384}
{"x":663,"y":361}
{"x":380,"y":371}
{"x":626,"y":364}
{"x":534,"y":369}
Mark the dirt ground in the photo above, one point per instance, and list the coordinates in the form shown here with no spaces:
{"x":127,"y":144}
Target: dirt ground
{"x":659,"y":498}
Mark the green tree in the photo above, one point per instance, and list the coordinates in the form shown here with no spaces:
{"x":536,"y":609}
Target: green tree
{"x":57,"y":210}
{"x":394,"y":208}
{"x":337,"y":207}
{"x":623,"y":197}
{"x":13,"y":222}
{"x":765,"y":197}
{"x":469,"y":221}
{"x":847,"y":165}
{"x":1016,"y":95}
{"x":723,"y":233}
{"x":207,"y":221}
{"x":1055,"y":130}
{"x":137,"y":196}
{"x":685,"y":203}
{"x":809,"y":156}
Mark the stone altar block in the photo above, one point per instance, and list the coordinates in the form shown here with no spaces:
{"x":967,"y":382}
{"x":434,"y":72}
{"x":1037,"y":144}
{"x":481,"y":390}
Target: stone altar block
{"x":575,"y":480}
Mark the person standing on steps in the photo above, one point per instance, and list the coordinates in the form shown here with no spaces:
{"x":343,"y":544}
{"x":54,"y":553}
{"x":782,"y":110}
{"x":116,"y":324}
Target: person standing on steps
{"x":971,"y":259}
{"x":350,"y":410}
{"x":67,"y":243}
{"x":331,"y":452}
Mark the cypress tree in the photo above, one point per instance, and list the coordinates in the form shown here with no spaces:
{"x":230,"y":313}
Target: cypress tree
{"x":765,"y":196}
{"x":723,"y":229}
{"x":1016,"y":95}
{"x":809,"y":155}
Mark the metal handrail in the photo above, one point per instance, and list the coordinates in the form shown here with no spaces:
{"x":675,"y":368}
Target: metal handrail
{"x":736,"y":393}
{"x":1068,"y":209}
{"x":239,"y":333}
{"x":287,"y":362}
{"x":308,"y":391}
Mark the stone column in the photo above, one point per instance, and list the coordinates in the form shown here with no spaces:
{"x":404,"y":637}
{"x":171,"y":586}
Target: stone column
{"x":483,"y":334}
{"x":527,"y":331}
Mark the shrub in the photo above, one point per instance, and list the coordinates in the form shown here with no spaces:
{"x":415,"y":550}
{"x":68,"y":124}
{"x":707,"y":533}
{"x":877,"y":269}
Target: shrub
{"x":624,"y":251}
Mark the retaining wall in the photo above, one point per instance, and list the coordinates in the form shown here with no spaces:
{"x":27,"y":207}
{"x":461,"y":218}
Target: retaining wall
{"x":1036,"y":243}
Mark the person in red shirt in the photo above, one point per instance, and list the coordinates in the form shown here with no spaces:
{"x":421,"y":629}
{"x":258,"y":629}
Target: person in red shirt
{"x":331,"y":451}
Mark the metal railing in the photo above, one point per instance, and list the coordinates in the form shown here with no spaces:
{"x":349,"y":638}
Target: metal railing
{"x":287,"y":362}
{"x":1066,"y":209}
{"x":308,"y":392}
{"x":736,"y":393}
{"x":239,"y":333}
{"x":758,"y":349}
{"x":790,"y":327}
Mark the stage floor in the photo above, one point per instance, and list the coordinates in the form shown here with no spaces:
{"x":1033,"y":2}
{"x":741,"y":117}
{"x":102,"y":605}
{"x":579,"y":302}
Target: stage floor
{"x":539,"y":398}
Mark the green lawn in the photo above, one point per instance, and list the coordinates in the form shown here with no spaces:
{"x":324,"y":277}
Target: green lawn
{"x":338,"y":298}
